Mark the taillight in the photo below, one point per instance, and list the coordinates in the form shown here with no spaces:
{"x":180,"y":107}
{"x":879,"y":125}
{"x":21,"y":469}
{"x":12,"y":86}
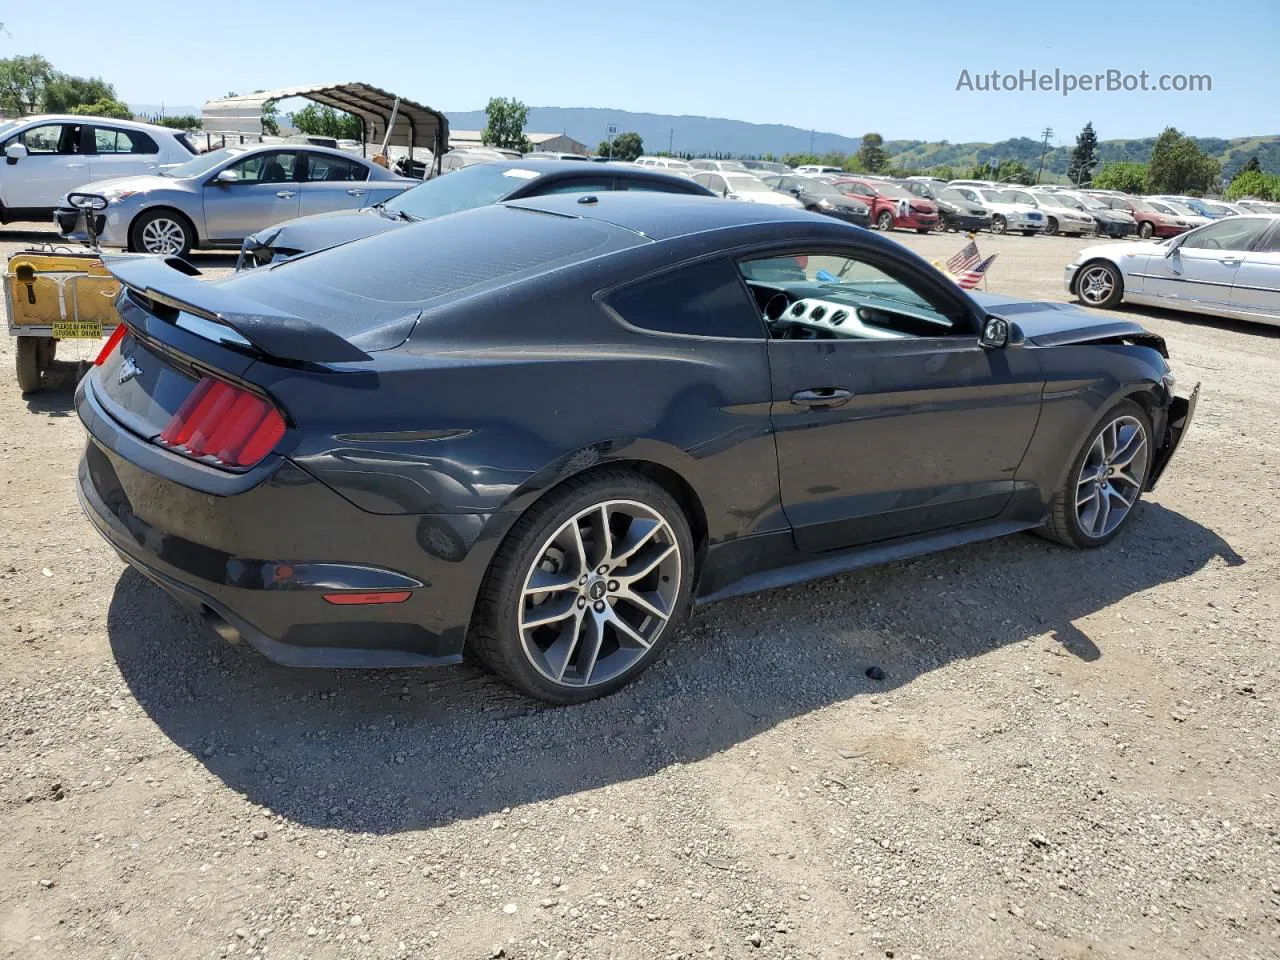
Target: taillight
{"x":223,"y":424}
{"x":113,"y":341}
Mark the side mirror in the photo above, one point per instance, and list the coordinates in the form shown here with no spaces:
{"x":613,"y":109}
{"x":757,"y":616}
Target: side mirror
{"x":15,"y":152}
{"x":1174,"y":246}
{"x":995,"y":334}
{"x":227,"y":176}
{"x":795,"y":191}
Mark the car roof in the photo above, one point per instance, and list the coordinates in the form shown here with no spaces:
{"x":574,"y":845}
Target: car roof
{"x":666,"y":216}
{"x":548,"y":169}
{"x":252,"y":148}
{"x":78,"y":118}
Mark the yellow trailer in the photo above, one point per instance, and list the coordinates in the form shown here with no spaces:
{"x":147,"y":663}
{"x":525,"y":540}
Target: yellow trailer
{"x":53,"y":293}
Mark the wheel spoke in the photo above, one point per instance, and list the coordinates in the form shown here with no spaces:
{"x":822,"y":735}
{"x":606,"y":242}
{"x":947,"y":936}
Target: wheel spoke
{"x":603,"y":535}
{"x":579,"y":548}
{"x":645,"y":566}
{"x":1104,"y":514}
{"x":1126,"y":477}
{"x":639,"y":534}
{"x":645,"y":603}
{"x":624,"y":628}
{"x":561,"y":652}
{"x":540,"y":582}
{"x":591,"y":640}
{"x":549,"y":612}
{"x":1130,"y":447}
{"x":1113,"y":492}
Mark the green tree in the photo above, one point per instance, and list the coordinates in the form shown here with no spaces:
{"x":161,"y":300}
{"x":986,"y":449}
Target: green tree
{"x":1084,"y":157}
{"x":505,"y":129}
{"x":1127,"y":177}
{"x":319,"y":121}
{"x":1250,"y":166}
{"x":1256,"y":184}
{"x":625,"y":146}
{"x":943,"y":173}
{"x":271,"y":118}
{"x":799,"y":159}
{"x":871,"y":154}
{"x":187,"y":121}
{"x":1178,"y":165}
{"x":852,"y":164}
{"x":109,"y":107}
{"x":63,"y":92}
{"x":834,"y":158}
{"x":22,"y":83}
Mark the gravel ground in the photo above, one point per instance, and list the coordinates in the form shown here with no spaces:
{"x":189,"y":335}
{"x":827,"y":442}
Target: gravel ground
{"x":1069,"y":755}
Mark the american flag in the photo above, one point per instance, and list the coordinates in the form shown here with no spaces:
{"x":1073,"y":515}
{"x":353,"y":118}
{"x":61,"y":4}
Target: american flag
{"x":970,"y":278}
{"x":964,"y":260}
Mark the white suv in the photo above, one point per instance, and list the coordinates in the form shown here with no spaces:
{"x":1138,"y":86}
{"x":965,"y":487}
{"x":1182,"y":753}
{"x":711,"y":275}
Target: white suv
{"x":46,"y":156}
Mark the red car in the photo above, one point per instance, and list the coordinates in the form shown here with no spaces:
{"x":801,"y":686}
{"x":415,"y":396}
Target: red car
{"x":891,"y":205}
{"x":1151,"y":222}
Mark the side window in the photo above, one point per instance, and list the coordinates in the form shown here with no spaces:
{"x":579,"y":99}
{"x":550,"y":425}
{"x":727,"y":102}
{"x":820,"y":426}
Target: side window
{"x":706,"y":300}
{"x":1233,"y":233}
{"x":575,"y":185}
{"x":650,"y":186}
{"x":108,"y":140}
{"x":266,"y":168}
{"x":51,"y":138}
{"x":1271,"y":244}
{"x":967,"y":194}
{"x":835,"y":296}
{"x":716,"y":184}
{"x":322,"y":168}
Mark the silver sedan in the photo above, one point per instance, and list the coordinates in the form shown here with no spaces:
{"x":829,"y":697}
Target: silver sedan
{"x":217,"y":199}
{"x":1226,"y":268}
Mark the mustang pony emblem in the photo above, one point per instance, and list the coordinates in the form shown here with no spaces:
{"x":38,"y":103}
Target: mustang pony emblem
{"x":128,"y":370}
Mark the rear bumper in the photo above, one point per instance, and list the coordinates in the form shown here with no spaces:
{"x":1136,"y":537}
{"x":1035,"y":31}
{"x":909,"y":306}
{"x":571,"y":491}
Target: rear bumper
{"x":256,"y":563}
{"x":1117,"y":230}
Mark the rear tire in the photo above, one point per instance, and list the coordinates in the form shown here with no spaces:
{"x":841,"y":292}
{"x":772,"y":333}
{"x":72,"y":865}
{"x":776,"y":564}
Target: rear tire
{"x":555,"y":616}
{"x":999,"y":224}
{"x":1145,"y":230}
{"x":1111,"y":469}
{"x":162,"y":231}
{"x":1051,"y":227}
{"x":27,"y":353}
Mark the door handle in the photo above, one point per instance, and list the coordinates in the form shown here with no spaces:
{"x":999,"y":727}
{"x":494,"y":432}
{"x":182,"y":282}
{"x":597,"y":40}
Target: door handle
{"x":822,"y":397}
{"x":286,"y":194}
{"x":1230,"y":261}
{"x":75,"y":166}
{"x":356,"y":193}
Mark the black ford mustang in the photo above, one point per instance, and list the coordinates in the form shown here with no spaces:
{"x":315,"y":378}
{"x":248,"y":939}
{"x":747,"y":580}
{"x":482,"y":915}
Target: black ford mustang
{"x":546,"y":427}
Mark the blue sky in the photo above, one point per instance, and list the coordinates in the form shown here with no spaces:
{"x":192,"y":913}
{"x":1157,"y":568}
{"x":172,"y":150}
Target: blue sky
{"x":837,"y":65}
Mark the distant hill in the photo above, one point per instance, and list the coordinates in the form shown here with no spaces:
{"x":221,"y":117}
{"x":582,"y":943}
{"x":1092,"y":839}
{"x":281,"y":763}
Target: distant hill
{"x":737,"y":138}
{"x":685,"y":134}
{"x":1232,"y":153}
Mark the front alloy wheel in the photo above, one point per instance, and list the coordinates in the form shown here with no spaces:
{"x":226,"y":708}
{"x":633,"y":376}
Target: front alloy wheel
{"x":885,"y":221}
{"x":1099,"y":285}
{"x":161,"y":232}
{"x":1111,"y":477}
{"x":999,"y":224}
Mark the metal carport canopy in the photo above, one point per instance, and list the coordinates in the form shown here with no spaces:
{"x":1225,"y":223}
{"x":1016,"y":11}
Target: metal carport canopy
{"x":415,"y":125}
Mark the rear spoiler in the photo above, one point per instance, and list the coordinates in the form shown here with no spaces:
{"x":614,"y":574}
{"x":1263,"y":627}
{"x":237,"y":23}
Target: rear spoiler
{"x":170,"y":282}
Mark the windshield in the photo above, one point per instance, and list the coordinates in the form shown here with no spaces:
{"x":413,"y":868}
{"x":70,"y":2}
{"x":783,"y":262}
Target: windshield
{"x":821,"y":188}
{"x":1139,"y":204}
{"x":745,"y":183}
{"x":1218,"y":208}
{"x":8,"y":127}
{"x":675,"y":165}
{"x":1092,"y":203}
{"x":955,"y":196}
{"x":890,"y":190}
{"x":995,"y":196}
{"x":1180,"y":208}
{"x":474,"y":186}
{"x":198,"y":166}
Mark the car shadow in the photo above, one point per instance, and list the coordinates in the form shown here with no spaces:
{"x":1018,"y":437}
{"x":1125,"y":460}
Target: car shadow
{"x":384,"y":752}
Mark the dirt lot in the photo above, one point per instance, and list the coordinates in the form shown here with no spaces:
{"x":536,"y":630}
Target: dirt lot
{"x":1070,"y":755}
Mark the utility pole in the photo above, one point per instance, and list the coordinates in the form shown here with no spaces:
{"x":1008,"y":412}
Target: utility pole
{"x":611,"y":130}
{"x":810,"y":143}
{"x":671,"y":138}
{"x":1047,"y":132}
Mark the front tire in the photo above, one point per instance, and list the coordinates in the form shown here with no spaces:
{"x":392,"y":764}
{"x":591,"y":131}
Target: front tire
{"x":1099,"y":285}
{"x":1051,"y":227}
{"x":1104,"y":484}
{"x":999,"y":224}
{"x":885,"y":221}
{"x":162,"y":231}
{"x":1145,"y":230}
{"x":587,"y":587}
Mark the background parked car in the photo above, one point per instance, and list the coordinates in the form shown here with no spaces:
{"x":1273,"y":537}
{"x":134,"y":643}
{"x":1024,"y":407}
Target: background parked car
{"x":217,"y":199}
{"x":470,"y":156}
{"x":1060,"y":214}
{"x":955,"y":211}
{"x":1111,"y":223}
{"x":1006,"y":213}
{"x":806,"y":169}
{"x":763,"y":167}
{"x":1226,"y":268}
{"x":722,"y":166}
{"x":672,"y":164}
{"x":891,"y":205}
{"x":1180,"y":210}
{"x":743,"y":186}
{"x":474,"y":186}
{"x":1151,"y":222}
{"x":1204,"y":208}
{"x":821,"y":197}
{"x":48,"y":155}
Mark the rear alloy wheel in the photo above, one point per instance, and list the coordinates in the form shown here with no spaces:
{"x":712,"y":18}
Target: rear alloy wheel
{"x":999,"y":224}
{"x":885,"y":221}
{"x":1145,"y":230}
{"x":1106,"y":481}
{"x":163,"y":232}
{"x":1099,"y":285}
{"x":1051,"y":227}
{"x":586,"y":588}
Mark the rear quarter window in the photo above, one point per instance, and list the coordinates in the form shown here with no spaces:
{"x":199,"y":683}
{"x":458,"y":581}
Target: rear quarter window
{"x":703,"y":300}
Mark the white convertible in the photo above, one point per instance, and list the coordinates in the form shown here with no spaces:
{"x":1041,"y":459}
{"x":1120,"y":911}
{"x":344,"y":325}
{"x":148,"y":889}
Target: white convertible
{"x":1226,"y":268}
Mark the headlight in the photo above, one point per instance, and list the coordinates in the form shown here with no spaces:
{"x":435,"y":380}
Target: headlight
{"x":826,"y":204}
{"x":116,"y":195}
{"x":1169,"y":381}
